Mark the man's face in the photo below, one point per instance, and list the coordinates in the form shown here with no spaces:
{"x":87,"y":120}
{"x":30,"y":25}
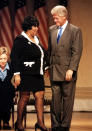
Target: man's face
{"x":59,"y":20}
{"x":3,"y":60}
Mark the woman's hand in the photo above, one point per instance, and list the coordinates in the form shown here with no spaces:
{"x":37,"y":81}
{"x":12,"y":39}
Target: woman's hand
{"x":17,"y":80}
{"x":46,"y":73}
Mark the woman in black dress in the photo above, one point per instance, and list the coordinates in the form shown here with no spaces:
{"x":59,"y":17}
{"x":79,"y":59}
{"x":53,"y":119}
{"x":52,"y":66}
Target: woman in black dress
{"x":27,"y":59}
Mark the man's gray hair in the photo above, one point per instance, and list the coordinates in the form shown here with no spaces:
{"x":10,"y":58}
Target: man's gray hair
{"x":59,"y":10}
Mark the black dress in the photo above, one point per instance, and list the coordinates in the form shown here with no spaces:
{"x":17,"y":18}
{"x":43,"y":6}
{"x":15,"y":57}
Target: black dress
{"x":28,"y":59}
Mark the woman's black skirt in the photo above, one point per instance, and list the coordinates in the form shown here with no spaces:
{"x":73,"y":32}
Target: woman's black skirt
{"x":32,"y":83}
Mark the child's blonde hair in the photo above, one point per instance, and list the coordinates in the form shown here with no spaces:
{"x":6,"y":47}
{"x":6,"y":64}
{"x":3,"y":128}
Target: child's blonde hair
{"x":4,"y":50}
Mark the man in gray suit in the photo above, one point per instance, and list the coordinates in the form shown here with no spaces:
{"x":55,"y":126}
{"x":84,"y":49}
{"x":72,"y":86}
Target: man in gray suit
{"x":64,"y":57}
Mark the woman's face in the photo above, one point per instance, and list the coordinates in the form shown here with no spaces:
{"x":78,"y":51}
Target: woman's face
{"x":33,"y":31}
{"x":3,"y":60}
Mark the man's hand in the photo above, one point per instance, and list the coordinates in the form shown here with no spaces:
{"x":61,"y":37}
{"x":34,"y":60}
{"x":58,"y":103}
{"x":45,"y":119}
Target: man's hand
{"x":69,"y":74}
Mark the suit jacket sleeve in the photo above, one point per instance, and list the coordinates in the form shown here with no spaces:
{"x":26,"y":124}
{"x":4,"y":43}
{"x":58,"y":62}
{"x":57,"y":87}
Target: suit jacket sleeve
{"x":76,"y":49}
{"x":16,"y":54}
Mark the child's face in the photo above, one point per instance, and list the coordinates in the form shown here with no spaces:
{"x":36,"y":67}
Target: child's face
{"x":3,"y":60}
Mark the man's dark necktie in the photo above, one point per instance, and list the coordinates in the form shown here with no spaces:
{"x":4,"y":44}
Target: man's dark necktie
{"x":59,"y":35}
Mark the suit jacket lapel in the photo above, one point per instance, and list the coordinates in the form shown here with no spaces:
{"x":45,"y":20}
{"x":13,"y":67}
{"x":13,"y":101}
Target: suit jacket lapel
{"x":54,"y":35}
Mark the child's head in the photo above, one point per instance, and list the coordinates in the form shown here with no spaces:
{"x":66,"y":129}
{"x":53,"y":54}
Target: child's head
{"x":4,"y":54}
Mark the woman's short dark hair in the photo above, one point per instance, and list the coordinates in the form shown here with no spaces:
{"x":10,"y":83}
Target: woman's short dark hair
{"x":28,"y":22}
